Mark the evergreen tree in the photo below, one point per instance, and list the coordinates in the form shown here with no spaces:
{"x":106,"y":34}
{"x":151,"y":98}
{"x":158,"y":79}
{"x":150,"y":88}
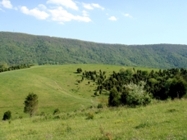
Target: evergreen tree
{"x":31,"y":104}
{"x":114,"y":98}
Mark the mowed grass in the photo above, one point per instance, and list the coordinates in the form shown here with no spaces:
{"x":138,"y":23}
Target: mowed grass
{"x":163,"y":121}
{"x":56,"y":87}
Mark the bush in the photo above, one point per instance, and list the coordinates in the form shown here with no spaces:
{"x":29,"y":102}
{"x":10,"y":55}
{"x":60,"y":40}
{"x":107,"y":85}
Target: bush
{"x":90,"y":116}
{"x":7,"y":115}
{"x":96,"y":94}
{"x":56,"y":111}
{"x":135,"y":95}
{"x":79,"y":70}
{"x":131,"y":95}
{"x":177,"y":89}
{"x":99,"y":105}
{"x":114,"y":98}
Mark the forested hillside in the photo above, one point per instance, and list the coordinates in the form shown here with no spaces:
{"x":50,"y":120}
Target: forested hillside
{"x":18,"y":48}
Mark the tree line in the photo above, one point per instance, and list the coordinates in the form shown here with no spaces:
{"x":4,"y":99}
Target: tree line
{"x":138,"y":87}
{"x":4,"y":67}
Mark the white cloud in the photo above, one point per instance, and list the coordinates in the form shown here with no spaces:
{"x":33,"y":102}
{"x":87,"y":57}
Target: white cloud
{"x":66,"y":3}
{"x":35,"y":12}
{"x":60,"y":11}
{"x":92,"y":6}
{"x":6,"y":4}
{"x":41,"y":6}
{"x":88,"y":6}
{"x":112,"y":18}
{"x":97,"y":6}
{"x":127,"y":15}
{"x":85,"y":13}
{"x":60,"y":15}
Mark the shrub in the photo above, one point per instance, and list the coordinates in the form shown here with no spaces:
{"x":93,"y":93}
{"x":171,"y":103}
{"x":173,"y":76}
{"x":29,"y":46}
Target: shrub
{"x":136,"y":95}
{"x":79,"y":70}
{"x":100,"y":105}
{"x":7,"y":115}
{"x":56,"y":111}
{"x":177,"y":89}
{"x":114,"y":98}
{"x":96,"y":94}
{"x":90,"y":116}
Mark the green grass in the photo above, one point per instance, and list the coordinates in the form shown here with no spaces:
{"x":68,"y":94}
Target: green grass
{"x":56,"y":87}
{"x":164,"y":120}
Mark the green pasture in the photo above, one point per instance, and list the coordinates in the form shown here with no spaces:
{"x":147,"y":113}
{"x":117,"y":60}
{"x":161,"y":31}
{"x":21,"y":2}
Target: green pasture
{"x":55,"y":85}
{"x":79,"y":117}
{"x":163,"y":120}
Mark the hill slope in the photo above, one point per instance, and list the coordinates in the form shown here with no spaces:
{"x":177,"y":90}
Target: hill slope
{"x":17,"y":48}
{"x":161,"y":121}
{"x":56,"y":87}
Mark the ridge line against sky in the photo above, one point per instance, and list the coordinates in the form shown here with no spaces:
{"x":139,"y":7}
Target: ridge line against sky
{"x":123,"y":21}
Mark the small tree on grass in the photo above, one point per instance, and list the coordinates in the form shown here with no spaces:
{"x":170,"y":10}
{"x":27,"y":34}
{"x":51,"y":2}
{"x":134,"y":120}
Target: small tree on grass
{"x":79,"y":70}
{"x":31,"y":104}
{"x":114,"y":98}
{"x":7,"y":115}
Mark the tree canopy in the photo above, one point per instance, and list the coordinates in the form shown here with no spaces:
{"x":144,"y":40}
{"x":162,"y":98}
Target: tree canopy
{"x":17,"y":48}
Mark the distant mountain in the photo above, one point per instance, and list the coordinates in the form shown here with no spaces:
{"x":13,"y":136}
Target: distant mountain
{"x":18,"y":48}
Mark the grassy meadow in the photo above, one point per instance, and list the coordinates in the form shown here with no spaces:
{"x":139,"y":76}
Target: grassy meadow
{"x":164,"y":120}
{"x":79,"y":117}
{"x":56,"y":87}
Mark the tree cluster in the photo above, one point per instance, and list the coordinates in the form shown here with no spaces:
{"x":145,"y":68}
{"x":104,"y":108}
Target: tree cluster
{"x":5,"y":67}
{"x":97,"y":77}
{"x":138,"y":87}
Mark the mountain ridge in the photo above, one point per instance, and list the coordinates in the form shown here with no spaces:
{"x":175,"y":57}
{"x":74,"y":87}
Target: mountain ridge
{"x":19,"y":48}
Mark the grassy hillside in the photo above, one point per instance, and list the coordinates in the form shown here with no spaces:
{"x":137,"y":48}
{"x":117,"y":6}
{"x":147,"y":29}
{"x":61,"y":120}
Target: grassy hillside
{"x":80,"y":118}
{"x":165,"y":120}
{"x":56,"y":87}
{"x":17,"y":48}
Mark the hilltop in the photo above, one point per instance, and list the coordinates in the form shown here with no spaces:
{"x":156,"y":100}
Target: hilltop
{"x":19,"y":48}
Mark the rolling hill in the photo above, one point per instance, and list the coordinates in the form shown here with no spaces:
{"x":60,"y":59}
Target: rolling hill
{"x":19,"y":48}
{"x":57,"y":88}
{"x":54,"y":84}
{"x":79,"y":116}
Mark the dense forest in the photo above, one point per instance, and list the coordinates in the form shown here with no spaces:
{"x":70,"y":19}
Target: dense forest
{"x":18,"y":48}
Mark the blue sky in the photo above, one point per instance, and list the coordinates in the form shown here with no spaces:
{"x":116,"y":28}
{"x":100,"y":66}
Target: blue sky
{"x":106,"y":21}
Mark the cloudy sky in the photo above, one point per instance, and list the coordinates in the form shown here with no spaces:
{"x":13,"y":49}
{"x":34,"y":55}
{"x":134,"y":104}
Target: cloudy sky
{"x":106,"y":21}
